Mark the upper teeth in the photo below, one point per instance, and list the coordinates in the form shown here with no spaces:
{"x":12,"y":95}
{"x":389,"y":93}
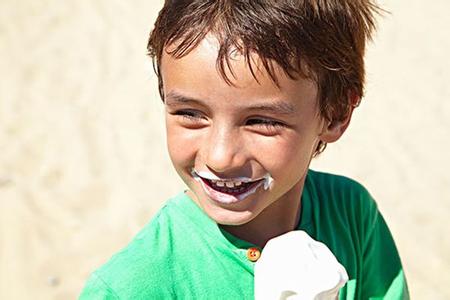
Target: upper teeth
{"x":229,"y":184}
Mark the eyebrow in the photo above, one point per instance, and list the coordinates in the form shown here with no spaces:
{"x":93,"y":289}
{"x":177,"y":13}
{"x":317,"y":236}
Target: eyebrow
{"x":276,"y":107}
{"x":174,"y":98}
{"x":279,"y":107}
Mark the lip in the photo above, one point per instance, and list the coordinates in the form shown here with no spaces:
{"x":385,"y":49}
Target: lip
{"x":228,"y":198}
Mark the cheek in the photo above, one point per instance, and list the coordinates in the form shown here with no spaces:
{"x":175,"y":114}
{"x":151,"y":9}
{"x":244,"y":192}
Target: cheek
{"x":182,"y":146}
{"x":285,"y":156}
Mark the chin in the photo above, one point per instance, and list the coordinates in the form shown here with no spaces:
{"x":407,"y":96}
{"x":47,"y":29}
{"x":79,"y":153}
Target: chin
{"x":230,"y":218}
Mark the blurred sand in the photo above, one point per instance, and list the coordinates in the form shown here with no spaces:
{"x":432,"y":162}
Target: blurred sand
{"x":83,"y":163}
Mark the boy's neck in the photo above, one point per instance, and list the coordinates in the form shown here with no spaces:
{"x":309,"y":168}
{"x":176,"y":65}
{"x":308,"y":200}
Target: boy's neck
{"x":279,"y":218}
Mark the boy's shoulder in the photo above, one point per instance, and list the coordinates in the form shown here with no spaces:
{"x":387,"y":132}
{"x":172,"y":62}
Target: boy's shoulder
{"x":339,"y":196}
{"x":342,"y":214}
{"x":143,"y":262}
{"x":328,"y":185}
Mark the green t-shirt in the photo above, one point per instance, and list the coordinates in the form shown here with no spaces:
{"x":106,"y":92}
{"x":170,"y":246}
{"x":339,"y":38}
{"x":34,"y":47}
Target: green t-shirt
{"x":183,"y":254}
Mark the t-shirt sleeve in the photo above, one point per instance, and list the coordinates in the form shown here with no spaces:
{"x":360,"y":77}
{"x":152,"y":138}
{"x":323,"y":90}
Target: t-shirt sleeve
{"x":383,"y":276}
{"x":96,"y":289}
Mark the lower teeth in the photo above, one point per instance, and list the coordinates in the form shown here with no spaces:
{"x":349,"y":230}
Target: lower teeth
{"x":229,"y":190}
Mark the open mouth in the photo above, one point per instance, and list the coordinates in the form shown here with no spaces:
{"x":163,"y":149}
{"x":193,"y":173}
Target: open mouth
{"x":231,"y":187}
{"x":230,"y":190}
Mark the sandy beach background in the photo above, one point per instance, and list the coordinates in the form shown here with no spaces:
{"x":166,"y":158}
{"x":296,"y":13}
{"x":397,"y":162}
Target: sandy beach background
{"x":83,"y":164}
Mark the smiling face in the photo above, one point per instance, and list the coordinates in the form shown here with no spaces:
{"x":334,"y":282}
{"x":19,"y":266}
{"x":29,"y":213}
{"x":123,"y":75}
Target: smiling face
{"x":245,"y":148}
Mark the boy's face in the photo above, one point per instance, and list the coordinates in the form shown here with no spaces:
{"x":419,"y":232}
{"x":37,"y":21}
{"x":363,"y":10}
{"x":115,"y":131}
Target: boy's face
{"x":254,"y":130}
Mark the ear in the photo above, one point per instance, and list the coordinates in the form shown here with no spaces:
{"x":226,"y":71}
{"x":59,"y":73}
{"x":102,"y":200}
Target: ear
{"x":333,"y":130}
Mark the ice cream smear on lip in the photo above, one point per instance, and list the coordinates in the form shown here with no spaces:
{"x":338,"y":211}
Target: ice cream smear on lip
{"x":268,"y":180}
{"x":221,"y":196}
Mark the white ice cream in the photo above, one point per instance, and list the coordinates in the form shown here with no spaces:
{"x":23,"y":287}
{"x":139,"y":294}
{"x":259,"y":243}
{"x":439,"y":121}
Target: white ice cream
{"x":294,"y":266}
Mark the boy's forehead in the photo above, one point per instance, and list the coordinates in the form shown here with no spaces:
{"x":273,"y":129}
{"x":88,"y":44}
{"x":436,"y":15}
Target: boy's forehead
{"x":207,"y":50}
{"x":238,"y":69}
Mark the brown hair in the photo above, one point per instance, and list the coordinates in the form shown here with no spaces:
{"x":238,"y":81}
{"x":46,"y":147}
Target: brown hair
{"x":319,"y":39}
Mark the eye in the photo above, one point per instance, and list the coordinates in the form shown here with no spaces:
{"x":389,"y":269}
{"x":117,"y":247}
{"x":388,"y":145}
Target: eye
{"x":267,"y":126}
{"x":190,"y":118}
{"x":191,"y":115}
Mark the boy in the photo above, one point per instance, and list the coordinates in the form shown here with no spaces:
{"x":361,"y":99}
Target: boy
{"x":253,"y":90}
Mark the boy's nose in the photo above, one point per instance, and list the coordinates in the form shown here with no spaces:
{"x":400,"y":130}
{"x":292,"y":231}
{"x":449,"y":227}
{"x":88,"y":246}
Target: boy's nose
{"x":224,"y":151}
